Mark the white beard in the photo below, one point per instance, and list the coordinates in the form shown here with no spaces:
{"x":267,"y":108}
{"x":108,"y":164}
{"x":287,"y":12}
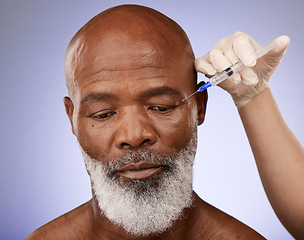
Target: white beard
{"x":143,"y":207}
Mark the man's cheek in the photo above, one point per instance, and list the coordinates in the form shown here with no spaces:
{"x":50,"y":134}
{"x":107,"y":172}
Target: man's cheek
{"x":176,"y":136}
{"x":96,"y":142}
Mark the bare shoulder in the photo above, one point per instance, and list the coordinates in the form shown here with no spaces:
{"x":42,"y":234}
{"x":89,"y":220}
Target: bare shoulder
{"x":68,"y":226}
{"x":219,"y":225}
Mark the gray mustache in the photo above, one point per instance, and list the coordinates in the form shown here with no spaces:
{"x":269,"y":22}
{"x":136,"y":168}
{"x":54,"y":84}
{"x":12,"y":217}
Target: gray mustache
{"x":138,"y":156}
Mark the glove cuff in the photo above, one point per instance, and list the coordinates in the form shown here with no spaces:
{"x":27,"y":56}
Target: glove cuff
{"x":252,"y":92}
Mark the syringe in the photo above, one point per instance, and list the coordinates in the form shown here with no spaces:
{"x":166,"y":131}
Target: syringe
{"x":223,"y":75}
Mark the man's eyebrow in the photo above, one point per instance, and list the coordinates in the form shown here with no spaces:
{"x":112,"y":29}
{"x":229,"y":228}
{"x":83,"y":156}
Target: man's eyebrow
{"x":164,"y":90}
{"x":96,"y":96}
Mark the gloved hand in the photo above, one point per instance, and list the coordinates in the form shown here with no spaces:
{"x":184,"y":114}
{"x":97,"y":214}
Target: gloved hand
{"x":247,"y":83}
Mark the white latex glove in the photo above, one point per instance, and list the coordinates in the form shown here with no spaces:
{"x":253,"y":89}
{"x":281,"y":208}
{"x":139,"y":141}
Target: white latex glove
{"x":247,"y":83}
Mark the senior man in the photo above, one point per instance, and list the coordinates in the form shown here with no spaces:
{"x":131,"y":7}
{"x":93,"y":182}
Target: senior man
{"x":127,"y":72}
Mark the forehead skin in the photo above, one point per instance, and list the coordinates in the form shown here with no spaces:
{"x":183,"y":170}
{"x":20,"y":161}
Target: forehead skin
{"x":138,"y":36}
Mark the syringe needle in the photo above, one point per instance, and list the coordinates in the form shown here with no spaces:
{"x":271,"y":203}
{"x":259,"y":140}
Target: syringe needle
{"x":190,"y":96}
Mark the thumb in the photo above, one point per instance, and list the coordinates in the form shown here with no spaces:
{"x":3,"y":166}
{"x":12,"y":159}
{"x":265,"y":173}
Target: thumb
{"x":281,"y":43}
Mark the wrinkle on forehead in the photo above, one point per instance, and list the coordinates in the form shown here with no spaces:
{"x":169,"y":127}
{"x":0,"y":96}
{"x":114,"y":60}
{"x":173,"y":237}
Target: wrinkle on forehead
{"x":115,"y":33}
{"x":124,"y":59}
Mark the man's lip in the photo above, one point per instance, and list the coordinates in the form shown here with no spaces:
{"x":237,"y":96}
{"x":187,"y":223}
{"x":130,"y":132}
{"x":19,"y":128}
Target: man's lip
{"x":140,"y":170}
{"x":138,"y":166}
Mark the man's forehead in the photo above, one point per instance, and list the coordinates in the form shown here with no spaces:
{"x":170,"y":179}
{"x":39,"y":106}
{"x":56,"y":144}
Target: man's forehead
{"x":119,"y":55}
{"x":118,"y":50}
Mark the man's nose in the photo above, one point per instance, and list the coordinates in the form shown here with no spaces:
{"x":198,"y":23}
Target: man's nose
{"x":134,"y":130}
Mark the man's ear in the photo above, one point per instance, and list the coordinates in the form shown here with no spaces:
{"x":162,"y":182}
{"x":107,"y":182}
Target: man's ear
{"x":201,"y":99}
{"x":69,"y":109}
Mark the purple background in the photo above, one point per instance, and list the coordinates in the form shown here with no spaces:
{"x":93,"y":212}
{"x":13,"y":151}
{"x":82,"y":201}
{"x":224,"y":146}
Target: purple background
{"x":42,"y":173}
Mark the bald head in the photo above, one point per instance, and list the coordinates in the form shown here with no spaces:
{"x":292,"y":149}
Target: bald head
{"x":117,"y":33}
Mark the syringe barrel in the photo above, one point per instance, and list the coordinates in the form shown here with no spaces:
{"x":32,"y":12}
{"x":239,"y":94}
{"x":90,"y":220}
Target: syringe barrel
{"x":223,"y":75}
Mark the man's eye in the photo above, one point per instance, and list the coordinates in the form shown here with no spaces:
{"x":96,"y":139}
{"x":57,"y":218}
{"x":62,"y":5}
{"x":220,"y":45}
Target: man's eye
{"x":103,"y":116}
{"x":161,"y":108}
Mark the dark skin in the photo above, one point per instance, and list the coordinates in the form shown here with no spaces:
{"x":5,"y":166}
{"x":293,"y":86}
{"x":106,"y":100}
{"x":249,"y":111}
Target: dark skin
{"x":127,"y":72}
